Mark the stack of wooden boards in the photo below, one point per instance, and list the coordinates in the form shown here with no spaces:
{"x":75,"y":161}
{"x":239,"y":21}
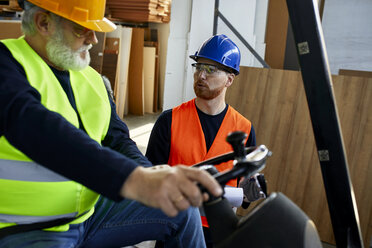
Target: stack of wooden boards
{"x":10,"y":5}
{"x":9,"y":8}
{"x":139,"y":11}
{"x":128,"y":57}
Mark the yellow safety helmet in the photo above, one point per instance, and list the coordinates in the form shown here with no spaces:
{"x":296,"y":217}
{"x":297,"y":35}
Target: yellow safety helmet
{"x":87,"y":13}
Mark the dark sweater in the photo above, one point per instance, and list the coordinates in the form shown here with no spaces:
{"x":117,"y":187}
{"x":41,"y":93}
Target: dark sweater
{"x":48,"y":139}
{"x":158,"y":148}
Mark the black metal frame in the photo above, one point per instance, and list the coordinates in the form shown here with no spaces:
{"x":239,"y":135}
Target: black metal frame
{"x":308,"y":34}
{"x":217,"y":14}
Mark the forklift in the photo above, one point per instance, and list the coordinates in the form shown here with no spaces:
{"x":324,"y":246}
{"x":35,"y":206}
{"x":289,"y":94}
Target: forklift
{"x":277,"y":221}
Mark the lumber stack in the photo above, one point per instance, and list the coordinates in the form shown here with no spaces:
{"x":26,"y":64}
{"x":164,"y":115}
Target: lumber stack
{"x":139,"y":11}
{"x":9,"y":8}
{"x":131,"y":64}
{"x":10,"y":5}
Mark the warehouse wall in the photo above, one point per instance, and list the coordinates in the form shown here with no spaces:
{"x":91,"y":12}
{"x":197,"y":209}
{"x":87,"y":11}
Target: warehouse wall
{"x":177,"y":45}
{"x":275,"y":102}
{"x":348,"y":34}
{"x":192,"y":23}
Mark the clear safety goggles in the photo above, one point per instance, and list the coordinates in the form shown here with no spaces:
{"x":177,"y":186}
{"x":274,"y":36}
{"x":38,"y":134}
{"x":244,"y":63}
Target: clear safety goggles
{"x":80,"y":31}
{"x":208,"y":69}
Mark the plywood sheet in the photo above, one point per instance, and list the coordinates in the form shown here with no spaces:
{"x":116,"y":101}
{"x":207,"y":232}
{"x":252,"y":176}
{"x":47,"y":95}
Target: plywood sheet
{"x":10,"y":29}
{"x":124,"y":56}
{"x":110,"y":61}
{"x":96,"y":53}
{"x":275,"y":101}
{"x":149,"y":54}
{"x":151,"y":40}
{"x":135,"y":77}
{"x":356,"y":73}
{"x":276,"y":33}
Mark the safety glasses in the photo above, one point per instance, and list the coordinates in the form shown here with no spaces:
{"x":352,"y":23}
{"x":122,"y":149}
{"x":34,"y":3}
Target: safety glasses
{"x":77,"y":30}
{"x":80,"y":31}
{"x":208,"y":69}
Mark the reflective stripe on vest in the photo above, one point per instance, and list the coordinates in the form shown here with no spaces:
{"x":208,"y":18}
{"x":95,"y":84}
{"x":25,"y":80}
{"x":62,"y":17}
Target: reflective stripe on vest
{"x":32,"y":219}
{"x":28,"y":171}
{"x":188,"y":144}
{"x":29,"y":192}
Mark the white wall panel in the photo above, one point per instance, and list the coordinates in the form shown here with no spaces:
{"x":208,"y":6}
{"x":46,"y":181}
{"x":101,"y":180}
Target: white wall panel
{"x":197,"y":27}
{"x":347,"y":28}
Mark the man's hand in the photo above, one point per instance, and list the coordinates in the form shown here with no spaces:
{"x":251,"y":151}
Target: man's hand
{"x":171,"y":189}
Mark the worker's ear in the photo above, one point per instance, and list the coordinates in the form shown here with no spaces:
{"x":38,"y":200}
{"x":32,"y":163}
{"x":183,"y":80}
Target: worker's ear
{"x":230,"y":79}
{"x":42,"y":22}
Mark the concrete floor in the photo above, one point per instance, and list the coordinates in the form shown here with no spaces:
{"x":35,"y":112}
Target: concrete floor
{"x":326,"y":245}
{"x":140,"y":128}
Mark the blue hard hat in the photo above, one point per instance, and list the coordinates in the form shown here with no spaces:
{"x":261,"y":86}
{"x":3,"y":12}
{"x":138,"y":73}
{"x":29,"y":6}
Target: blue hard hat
{"x":221,"y":49}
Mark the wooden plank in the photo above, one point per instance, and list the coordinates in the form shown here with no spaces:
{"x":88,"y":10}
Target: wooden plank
{"x":354,"y":96}
{"x":355,"y":73}
{"x":276,"y":33}
{"x":151,"y":39}
{"x":124,"y":55}
{"x":96,"y":53}
{"x":110,"y":61}
{"x":149,"y":54}
{"x":10,"y":29}
{"x":135,"y":78}
{"x":156,"y":83}
{"x":274,"y":100}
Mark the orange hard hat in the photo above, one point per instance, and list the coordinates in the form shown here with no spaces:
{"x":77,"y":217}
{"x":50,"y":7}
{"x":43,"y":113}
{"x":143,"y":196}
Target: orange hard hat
{"x":87,"y":13}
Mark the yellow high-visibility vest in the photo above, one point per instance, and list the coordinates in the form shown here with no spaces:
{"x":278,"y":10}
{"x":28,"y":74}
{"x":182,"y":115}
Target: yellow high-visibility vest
{"x":29,"y":192}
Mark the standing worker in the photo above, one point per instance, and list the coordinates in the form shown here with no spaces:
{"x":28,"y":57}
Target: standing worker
{"x":68,"y":167}
{"x":196,"y":130}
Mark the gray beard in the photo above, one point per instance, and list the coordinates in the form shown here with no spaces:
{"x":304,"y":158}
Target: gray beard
{"x":62,"y":55}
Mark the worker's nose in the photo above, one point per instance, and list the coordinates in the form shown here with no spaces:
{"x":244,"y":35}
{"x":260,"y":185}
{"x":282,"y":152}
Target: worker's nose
{"x":92,"y":38}
{"x":201,"y":74}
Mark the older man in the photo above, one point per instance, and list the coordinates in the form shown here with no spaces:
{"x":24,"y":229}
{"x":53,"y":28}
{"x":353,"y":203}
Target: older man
{"x":66,"y":159}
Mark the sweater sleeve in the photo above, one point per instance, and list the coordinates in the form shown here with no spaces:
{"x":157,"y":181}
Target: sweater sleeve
{"x":252,"y":138}
{"x":158,"y":148}
{"x":48,"y":139}
{"x":118,"y":139}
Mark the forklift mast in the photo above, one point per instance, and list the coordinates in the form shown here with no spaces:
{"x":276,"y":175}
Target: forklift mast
{"x":307,"y":30}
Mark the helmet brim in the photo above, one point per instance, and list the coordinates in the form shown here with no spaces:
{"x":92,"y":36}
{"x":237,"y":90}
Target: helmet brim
{"x":195,"y":58}
{"x":104,"y":25}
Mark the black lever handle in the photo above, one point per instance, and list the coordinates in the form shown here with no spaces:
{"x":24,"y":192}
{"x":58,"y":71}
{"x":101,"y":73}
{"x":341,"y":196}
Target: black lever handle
{"x":236,"y":140}
{"x":252,"y":163}
{"x":223,"y":158}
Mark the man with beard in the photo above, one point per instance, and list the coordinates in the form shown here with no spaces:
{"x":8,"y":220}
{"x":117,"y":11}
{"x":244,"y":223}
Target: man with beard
{"x":196,"y":130}
{"x":68,"y":167}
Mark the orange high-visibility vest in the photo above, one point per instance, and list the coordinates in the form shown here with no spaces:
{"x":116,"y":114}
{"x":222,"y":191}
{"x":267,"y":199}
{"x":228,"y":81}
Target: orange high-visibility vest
{"x":188,"y":144}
